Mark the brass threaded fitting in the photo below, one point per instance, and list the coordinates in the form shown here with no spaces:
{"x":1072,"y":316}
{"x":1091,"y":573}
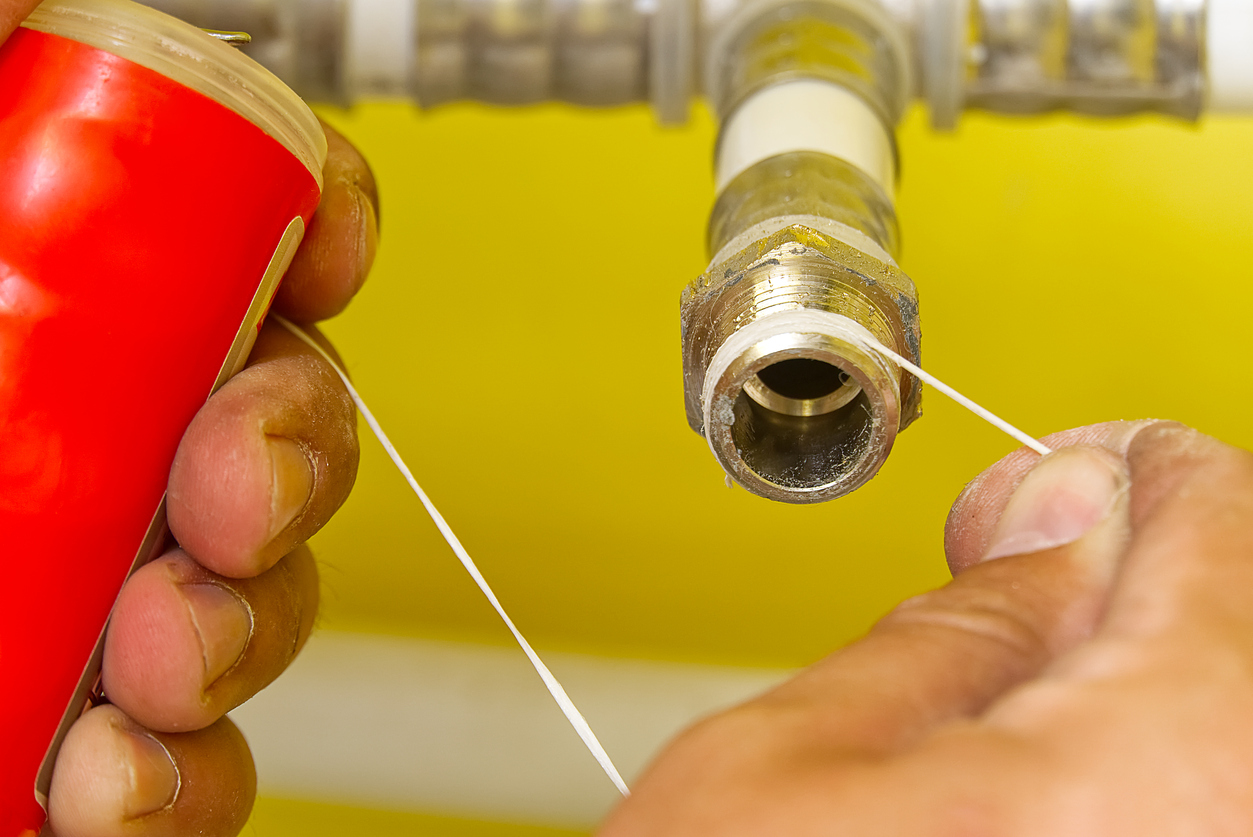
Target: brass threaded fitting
{"x":793,"y":405}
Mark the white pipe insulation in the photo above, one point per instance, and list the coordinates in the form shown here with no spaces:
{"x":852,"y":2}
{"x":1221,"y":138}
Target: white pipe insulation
{"x":380,"y":48}
{"x":806,"y":115}
{"x":1229,"y":54}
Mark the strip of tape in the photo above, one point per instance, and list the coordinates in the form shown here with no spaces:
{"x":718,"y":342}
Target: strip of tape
{"x":576,"y":719}
{"x":982,"y":412}
{"x":571,"y":712}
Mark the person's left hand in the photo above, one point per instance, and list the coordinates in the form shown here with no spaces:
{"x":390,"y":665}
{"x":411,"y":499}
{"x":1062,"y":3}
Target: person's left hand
{"x":197,"y":632}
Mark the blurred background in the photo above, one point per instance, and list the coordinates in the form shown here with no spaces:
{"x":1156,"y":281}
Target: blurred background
{"x":519,"y":340}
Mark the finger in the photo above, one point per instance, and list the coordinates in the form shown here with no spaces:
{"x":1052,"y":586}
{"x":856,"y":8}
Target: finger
{"x":113,"y":777}
{"x":1188,"y":578}
{"x":339,"y":246}
{"x":1153,"y":710}
{"x":266,"y":462}
{"x":942,"y":656}
{"x":976,"y":511}
{"x":949,"y":653}
{"x":185,"y":646}
{"x":13,"y":12}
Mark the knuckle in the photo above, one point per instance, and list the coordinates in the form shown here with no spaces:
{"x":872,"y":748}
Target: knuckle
{"x":980,"y":614}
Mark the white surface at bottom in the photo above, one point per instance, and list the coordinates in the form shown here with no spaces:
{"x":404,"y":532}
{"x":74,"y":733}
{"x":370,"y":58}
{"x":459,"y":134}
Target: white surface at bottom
{"x":469,"y":730}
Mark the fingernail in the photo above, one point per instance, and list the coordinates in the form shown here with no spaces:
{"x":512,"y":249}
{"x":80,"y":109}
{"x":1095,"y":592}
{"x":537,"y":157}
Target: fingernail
{"x":369,"y":238}
{"x":292,"y":483}
{"x":223,"y":624}
{"x":1059,"y":500}
{"x":154,"y":777}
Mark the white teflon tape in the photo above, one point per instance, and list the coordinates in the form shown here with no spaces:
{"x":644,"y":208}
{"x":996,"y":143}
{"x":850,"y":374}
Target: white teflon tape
{"x":799,"y":321}
{"x":380,"y":45}
{"x":806,"y":115}
{"x":1229,"y":55}
{"x":823,"y":322}
{"x":580,"y":725}
{"x":982,"y":412}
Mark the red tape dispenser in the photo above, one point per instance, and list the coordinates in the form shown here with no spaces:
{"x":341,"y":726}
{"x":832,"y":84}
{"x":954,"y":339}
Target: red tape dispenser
{"x":154,"y":185}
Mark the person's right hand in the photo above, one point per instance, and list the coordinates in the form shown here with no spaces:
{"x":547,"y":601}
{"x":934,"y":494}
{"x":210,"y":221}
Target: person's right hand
{"x":1088,"y":673}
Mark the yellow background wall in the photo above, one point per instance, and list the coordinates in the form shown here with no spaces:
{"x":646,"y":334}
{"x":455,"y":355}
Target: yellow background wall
{"x":519,"y":341}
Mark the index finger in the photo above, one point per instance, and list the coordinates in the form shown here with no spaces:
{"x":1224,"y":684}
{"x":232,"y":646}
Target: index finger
{"x":339,"y":246}
{"x":266,"y":462}
{"x":1188,"y":573}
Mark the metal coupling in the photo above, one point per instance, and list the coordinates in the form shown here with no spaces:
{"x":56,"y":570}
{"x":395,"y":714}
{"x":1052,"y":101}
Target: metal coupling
{"x":855,"y":44}
{"x":778,"y":373}
{"x":781,"y":374}
{"x":1103,"y":57}
{"x":522,"y":51}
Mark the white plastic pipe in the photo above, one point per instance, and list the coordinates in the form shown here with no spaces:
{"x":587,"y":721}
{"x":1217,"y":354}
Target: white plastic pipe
{"x":380,"y":38}
{"x":1229,"y":44}
{"x":806,"y":115}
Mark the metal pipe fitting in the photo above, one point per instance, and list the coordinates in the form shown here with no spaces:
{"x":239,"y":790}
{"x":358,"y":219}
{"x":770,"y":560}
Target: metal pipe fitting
{"x":810,"y":184}
{"x":781,"y":375}
{"x":778,"y":375}
{"x":592,"y":52}
{"x":1103,"y":57}
{"x":303,"y":42}
{"x":855,"y":44}
{"x":1015,"y":56}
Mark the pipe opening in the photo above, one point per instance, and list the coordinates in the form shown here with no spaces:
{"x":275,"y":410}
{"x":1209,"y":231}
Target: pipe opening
{"x":802,"y":387}
{"x":827,"y":424}
{"x":799,"y":451}
{"x":803,"y":378}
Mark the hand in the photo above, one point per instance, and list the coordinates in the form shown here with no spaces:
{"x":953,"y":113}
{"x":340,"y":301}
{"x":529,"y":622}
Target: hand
{"x":262,"y":467}
{"x":1088,"y":673}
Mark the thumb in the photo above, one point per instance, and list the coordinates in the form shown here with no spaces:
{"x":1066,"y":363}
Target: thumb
{"x":939,"y":657}
{"x":1039,"y":591}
